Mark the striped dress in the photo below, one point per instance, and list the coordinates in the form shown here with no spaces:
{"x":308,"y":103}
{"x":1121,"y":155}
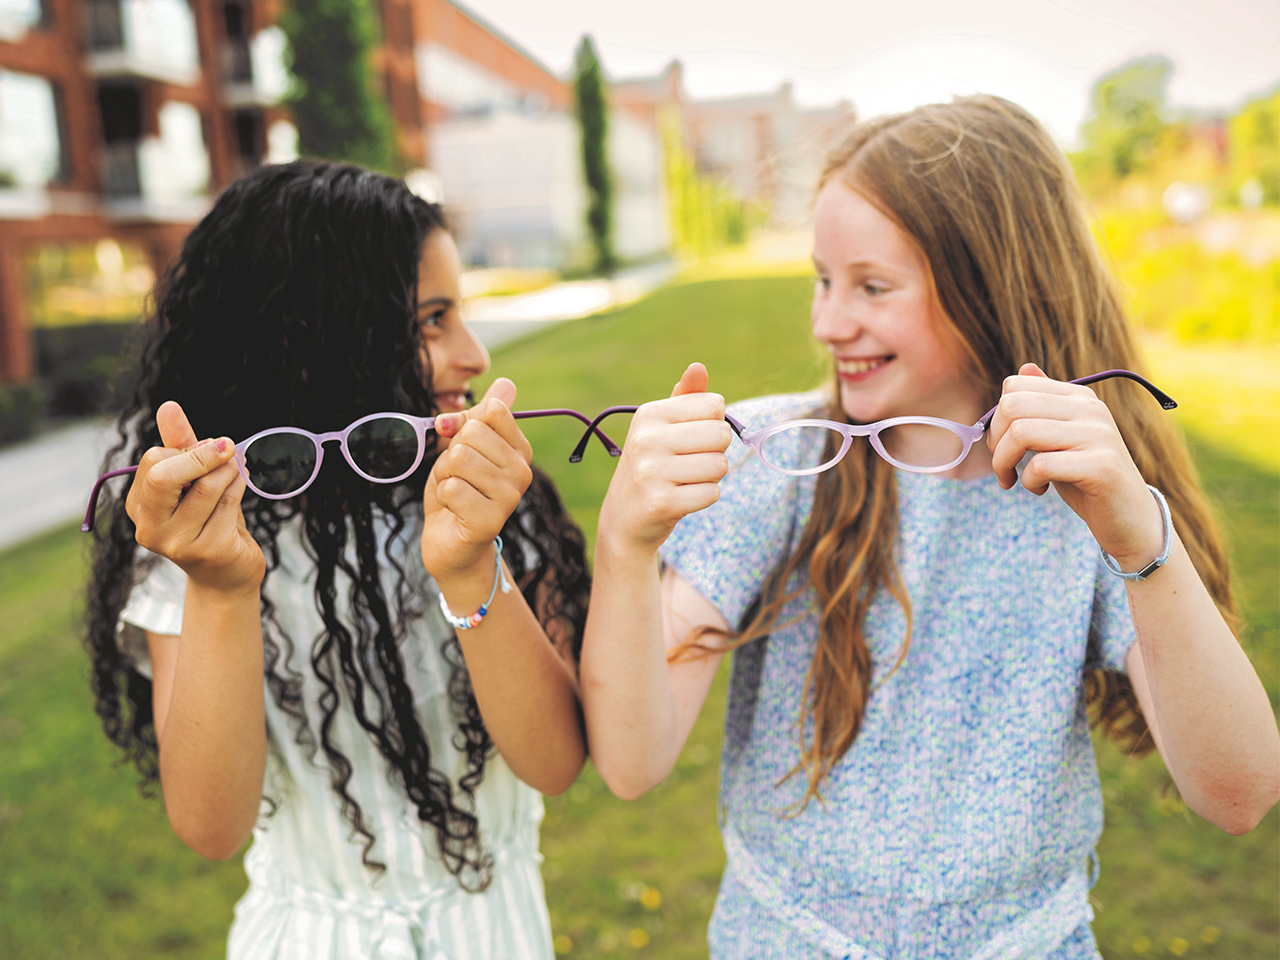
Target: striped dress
{"x":309,"y":896}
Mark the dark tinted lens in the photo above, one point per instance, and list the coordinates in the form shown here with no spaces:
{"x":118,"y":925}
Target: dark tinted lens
{"x":921,"y":444}
{"x":280,"y":463}
{"x":801,"y":448}
{"x":384,"y":448}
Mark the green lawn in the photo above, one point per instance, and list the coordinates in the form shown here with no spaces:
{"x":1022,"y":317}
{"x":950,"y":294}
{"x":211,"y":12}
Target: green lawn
{"x":89,"y":869}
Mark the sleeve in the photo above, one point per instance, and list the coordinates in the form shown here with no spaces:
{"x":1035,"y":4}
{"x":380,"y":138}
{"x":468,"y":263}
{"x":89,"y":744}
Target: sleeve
{"x":155,"y":606}
{"x":728,"y":550}
{"x":1111,"y":631}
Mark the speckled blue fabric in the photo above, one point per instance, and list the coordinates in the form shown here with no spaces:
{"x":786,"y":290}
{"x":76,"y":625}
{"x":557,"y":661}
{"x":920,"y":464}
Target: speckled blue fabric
{"x":966,"y":813}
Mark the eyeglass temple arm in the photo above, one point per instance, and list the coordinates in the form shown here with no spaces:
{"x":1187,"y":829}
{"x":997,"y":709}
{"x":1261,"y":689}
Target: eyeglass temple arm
{"x":1166,"y":401}
{"x":87,"y":525}
{"x":592,"y":427}
{"x":581,"y":448}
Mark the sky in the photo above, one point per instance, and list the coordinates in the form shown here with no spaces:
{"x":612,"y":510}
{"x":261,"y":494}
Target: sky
{"x":885,"y":56}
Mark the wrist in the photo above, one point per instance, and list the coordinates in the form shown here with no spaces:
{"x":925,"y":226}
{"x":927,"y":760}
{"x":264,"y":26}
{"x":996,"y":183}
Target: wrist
{"x":1149,"y":550}
{"x":465,"y":597}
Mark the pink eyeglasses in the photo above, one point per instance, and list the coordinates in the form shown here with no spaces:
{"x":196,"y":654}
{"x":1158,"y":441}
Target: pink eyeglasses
{"x":282,"y":462}
{"x":917,"y":444}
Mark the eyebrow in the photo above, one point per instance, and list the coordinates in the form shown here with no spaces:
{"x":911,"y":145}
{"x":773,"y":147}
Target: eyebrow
{"x":436,"y":301}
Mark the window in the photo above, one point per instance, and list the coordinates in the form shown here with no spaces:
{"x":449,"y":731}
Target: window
{"x":19,"y":16}
{"x":30,"y":145}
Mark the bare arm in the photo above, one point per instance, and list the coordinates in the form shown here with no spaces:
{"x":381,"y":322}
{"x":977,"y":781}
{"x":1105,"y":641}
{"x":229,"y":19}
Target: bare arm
{"x":524,"y":687}
{"x":207,"y":684}
{"x":1206,"y":707}
{"x":640,"y":706}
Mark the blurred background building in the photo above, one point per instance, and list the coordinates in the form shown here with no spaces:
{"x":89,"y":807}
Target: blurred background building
{"x":121,"y":119}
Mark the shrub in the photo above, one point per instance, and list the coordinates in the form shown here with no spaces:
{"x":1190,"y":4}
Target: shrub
{"x":20,"y":408}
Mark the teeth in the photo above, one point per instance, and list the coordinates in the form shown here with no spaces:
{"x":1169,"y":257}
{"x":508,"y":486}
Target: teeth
{"x":859,"y":366}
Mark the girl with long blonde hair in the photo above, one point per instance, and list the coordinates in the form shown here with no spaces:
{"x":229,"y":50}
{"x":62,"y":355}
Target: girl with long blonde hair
{"x":932,"y":576}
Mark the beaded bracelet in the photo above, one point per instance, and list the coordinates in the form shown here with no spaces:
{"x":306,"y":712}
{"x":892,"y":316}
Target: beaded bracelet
{"x":499,"y":576}
{"x":1159,"y":561}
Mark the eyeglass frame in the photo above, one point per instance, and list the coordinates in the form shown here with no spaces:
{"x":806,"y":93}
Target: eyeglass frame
{"x":968,"y":434}
{"x":420,"y":424}
{"x":753,"y":438}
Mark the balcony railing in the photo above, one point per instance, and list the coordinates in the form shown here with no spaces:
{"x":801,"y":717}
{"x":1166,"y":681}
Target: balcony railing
{"x":121,"y":177}
{"x":149,"y":39}
{"x":106,"y":25}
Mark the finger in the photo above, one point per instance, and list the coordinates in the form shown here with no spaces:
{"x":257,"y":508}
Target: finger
{"x":478,"y":515}
{"x":501,"y":390}
{"x":493,"y":411}
{"x":687,"y":407}
{"x":490,"y":466}
{"x":176,"y":471}
{"x":695,"y":468}
{"x":682,"y":437}
{"x":205,"y":496}
{"x":694,"y":380}
{"x":1031,"y":370}
{"x":175,"y":430}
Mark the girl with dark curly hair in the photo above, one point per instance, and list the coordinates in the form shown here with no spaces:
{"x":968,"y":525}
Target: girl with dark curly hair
{"x":291,"y":649}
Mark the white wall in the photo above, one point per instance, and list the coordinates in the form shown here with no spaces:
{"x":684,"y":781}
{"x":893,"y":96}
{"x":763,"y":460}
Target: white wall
{"x":513,"y":184}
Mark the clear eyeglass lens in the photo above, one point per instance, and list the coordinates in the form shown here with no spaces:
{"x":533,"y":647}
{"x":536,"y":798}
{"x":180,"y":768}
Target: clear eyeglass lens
{"x":280,"y":463}
{"x":384,"y":448}
{"x":921,"y":444}
{"x":801,"y":448}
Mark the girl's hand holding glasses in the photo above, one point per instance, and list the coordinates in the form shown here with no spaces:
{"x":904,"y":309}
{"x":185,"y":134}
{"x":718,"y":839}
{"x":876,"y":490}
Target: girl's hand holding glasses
{"x":1078,"y":448}
{"x":671,"y":465}
{"x":185,"y":503}
{"x":475,"y":485}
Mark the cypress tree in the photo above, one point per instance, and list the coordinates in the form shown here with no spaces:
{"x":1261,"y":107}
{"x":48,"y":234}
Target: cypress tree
{"x":336,"y":100}
{"x":592,"y":113}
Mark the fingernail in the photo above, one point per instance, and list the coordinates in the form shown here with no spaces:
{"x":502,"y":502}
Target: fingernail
{"x":221,"y":444}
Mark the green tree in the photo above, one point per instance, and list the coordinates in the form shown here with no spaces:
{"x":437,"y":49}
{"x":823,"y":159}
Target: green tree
{"x":1254,"y":139}
{"x":335,"y":96}
{"x":1126,"y":118}
{"x":593,"y":123}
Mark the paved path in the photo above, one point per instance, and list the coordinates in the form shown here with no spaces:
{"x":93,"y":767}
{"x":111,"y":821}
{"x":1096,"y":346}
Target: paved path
{"x":45,"y":481}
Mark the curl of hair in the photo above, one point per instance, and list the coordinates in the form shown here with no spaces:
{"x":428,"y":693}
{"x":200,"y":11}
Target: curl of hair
{"x":982,"y":191}
{"x":294,"y":302}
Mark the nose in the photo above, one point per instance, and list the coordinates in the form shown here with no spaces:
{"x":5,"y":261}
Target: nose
{"x":469,"y":353}
{"x":833,"y":318}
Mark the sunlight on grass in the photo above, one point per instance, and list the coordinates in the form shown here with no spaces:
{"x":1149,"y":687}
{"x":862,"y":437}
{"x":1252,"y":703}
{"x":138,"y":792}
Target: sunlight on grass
{"x":1228,"y":394}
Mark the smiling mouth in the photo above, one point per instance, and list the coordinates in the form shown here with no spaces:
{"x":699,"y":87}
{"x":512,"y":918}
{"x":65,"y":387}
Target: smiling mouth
{"x":450,"y":400}
{"x":854,"y":367}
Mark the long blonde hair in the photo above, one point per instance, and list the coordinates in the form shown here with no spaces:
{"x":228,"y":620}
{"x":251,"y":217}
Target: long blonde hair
{"x":991,"y":202}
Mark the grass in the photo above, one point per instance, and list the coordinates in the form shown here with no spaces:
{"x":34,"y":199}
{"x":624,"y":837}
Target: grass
{"x":89,"y":869}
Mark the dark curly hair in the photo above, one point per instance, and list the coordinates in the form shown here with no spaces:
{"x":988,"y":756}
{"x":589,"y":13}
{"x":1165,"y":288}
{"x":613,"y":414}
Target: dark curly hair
{"x":294,"y":302}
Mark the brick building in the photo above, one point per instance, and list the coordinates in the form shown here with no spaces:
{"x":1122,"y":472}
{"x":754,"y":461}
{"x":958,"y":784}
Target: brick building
{"x":119,"y":119}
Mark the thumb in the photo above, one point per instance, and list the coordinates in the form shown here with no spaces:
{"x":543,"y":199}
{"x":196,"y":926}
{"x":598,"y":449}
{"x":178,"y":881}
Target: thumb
{"x":502,"y":390}
{"x":694,"y":380}
{"x":175,"y":429}
{"x":1031,"y":370}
